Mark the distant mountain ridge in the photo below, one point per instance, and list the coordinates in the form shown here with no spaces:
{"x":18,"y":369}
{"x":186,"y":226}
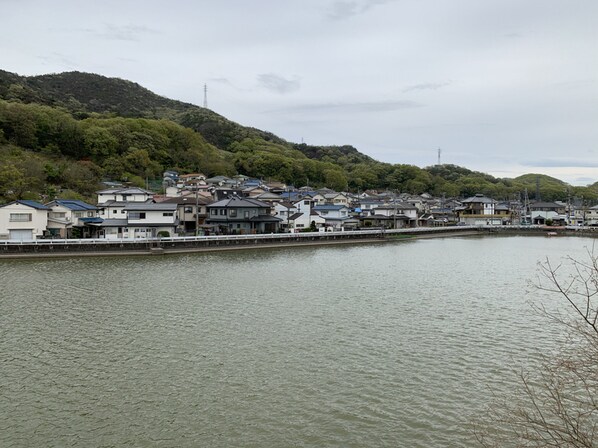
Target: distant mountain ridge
{"x":95,"y":102}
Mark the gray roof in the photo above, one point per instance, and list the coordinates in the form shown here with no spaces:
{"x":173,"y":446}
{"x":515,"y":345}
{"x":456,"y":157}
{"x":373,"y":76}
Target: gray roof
{"x":124,"y":191}
{"x":236,"y":201}
{"x":189,"y":199}
{"x":158,"y":206}
{"x":478,"y":198}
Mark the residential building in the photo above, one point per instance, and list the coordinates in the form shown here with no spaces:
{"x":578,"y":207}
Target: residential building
{"x":141,"y":220}
{"x":69,"y":218}
{"x":242,"y":215}
{"x":191,"y":212}
{"x":478,"y":210}
{"x":23,"y":220}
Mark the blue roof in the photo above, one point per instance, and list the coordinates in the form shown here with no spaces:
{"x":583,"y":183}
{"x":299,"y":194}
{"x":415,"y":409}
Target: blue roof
{"x":73,"y":204}
{"x":32,"y":204}
{"x":329,"y":207}
{"x":91,"y":220}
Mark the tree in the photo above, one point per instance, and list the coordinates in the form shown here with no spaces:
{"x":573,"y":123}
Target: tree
{"x":558,"y":404}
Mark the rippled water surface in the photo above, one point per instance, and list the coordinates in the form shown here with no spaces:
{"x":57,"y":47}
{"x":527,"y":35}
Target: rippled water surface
{"x":362,"y":346}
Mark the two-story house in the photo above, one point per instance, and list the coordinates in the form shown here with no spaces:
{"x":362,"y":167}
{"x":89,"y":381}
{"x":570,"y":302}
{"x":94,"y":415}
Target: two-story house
{"x":112,"y":201}
{"x":191,"y":212}
{"x":23,"y":220}
{"x":242,"y":215}
{"x":68,"y":218}
{"x":392,"y":216}
{"x":334,"y":215}
{"x":142,"y":220}
{"x":478,"y":210}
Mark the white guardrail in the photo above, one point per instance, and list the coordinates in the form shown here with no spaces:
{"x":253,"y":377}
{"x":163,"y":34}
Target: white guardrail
{"x":277,"y":236}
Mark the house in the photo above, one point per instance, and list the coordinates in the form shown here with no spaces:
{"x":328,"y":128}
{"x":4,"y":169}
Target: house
{"x":242,"y":215}
{"x":141,"y":220}
{"x":284,"y":211}
{"x":123,"y":195}
{"x":276,"y":187}
{"x":478,"y":210}
{"x":69,"y":218}
{"x":547,"y":211}
{"x":392,"y":216}
{"x":333,"y":215}
{"x":191,"y":212}
{"x":219,"y":181}
{"x":301,"y":219}
{"x":272,"y":198}
{"x":23,"y":220}
{"x":221,"y":193}
{"x":366,"y":206}
{"x":336,"y":199}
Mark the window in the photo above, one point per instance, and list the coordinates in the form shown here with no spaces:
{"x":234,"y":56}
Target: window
{"x":214,"y":211}
{"x":122,"y":211}
{"x":168,"y":214}
{"x":223,"y":211}
{"x":137,"y":215}
{"x":246,"y":214}
{"x":20,"y":217}
{"x":57,"y":215}
{"x":232,"y":212}
{"x":188,"y":209}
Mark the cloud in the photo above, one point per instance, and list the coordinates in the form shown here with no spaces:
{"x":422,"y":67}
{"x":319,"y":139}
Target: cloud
{"x":560,"y":163}
{"x":58,"y":58}
{"x":341,"y":10}
{"x":585,"y":180}
{"x":121,"y":32}
{"x":380,"y":106}
{"x":426,"y":86}
{"x":277,"y":83}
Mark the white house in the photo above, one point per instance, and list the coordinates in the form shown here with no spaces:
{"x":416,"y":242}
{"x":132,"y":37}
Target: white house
{"x":478,"y":210}
{"x":284,"y":211}
{"x":302,"y":217}
{"x":123,"y":195}
{"x":23,"y":220}
{"x":334,"y":215}
{"x":66,"y":214}
{"x":142,"y":220}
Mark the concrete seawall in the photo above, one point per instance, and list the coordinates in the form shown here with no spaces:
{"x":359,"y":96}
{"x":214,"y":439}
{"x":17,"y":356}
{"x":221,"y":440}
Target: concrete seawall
{"x":156,"y":246}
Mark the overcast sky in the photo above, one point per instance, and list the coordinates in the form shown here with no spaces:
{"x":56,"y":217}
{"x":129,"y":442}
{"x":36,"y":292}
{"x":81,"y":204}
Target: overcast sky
{"x":502,"y":86}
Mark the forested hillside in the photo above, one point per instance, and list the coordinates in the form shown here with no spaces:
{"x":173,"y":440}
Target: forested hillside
{"x":62,"y":134}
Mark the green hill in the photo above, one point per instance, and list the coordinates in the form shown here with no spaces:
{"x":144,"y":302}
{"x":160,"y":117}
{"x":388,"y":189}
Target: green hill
{"x":65,"y":132}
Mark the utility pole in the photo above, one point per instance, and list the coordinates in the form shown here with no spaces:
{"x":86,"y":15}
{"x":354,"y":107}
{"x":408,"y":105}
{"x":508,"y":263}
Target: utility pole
{"x":196,"y":211}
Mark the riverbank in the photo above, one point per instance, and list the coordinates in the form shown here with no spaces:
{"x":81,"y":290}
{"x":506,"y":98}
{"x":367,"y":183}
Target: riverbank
{"x":93,"y":248}
{"x":177,"y":245}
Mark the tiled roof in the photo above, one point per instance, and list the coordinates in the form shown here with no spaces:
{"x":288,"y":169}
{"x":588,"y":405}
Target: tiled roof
{"x":72,"y":204}
{"x":238,"y":202}
{"x":28,"y":203}
{"x":142,"y":206}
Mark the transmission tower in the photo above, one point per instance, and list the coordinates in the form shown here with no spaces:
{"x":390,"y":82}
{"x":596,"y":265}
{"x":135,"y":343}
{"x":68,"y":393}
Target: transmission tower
{"x":439,"y":151}
{"x":205,"y":96}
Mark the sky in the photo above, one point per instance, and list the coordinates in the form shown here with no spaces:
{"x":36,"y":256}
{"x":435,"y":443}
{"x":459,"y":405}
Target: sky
{"x":506,"y":87}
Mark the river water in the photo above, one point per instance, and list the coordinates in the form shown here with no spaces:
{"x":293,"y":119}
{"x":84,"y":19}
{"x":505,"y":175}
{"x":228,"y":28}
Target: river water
{"x":382,"y":345}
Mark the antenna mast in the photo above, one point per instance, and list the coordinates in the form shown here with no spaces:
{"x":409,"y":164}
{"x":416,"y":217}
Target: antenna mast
{"x":205,"y":96}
